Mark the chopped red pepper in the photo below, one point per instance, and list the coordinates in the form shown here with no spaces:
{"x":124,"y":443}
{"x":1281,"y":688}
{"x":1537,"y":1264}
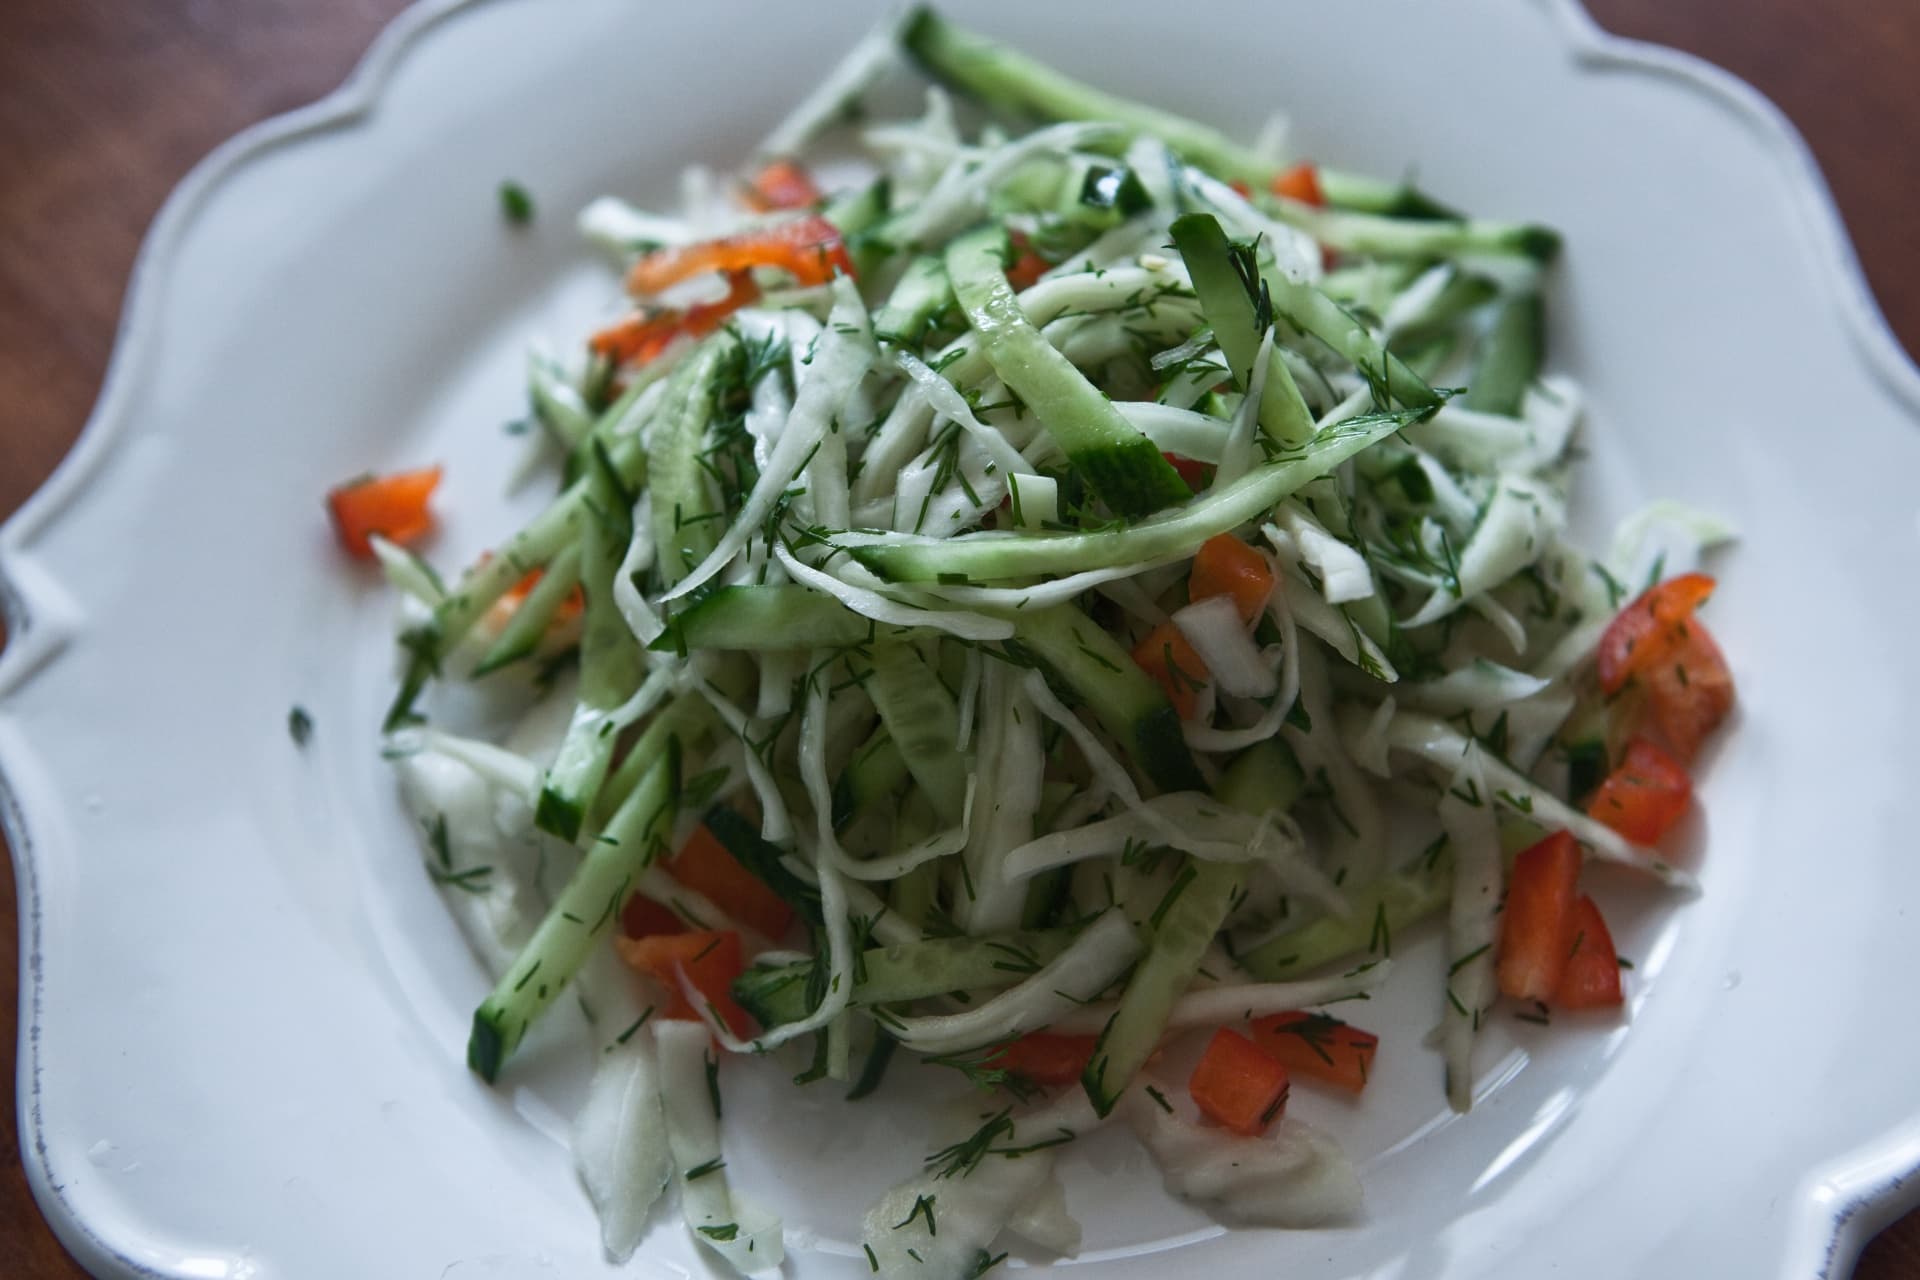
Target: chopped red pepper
{"x":705,"y":866}
{"x":1239,"y":1085}
{"x":642,"y":917}
{"x":783,"y":184}
{"x":642,"y":336}
{"x":1302,"y":183}
{"x":1691,"y":691}
{"x":395,"y":507}
{"x":1642,"y":634}
{"x":1194,"y":473}
{"x":1027,"y":266}
{"x":710,"y":959}
{"x":1044,"y":1058}
{"x":1536,"y":930}
{"x":807,"y":248}
{"x":1241,"y":189}
{"x":1591,"y":979}
{"x":1166,"y":656}
{"x":1226,"y":566}
{"x":1644,"y":796}
{"x":1318,"y":1046}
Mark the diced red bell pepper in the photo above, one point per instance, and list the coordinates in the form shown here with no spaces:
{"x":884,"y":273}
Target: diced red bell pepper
{"x":642,"y":336}
{"x":394,"y":506}
{"x":807,"y":248}
{"x":1044,"y":1058}
{"x":783,"y":184}
{"x":1591,"y":979}
{"x":1027,"y":266}
{"x":704,"y":865}
{"x":1691,"y":692}
{"x":642,"y":917}
{"x":1302,"y":183}
{"x":710,"y":959}
{"x":1226,"y":566}
{"x":1642,"y":634}
{"x":1166,"y":656}
{"x":1239,"y":1085}
{"x":1536,"y":929}
{"x":1318,"y":1046}
{"x":1241,"y":189}
{"x":1193,"y":472}
{"x":1644,"y":796}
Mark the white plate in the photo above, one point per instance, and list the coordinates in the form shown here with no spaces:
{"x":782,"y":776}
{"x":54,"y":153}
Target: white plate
{"x":244,"y":1008}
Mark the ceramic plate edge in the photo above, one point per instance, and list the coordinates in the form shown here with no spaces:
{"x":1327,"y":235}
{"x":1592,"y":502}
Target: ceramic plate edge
{"x":1838,"y":1206}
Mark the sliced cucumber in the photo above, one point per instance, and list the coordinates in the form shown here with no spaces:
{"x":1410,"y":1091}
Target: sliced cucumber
{"x":1181,"y":927}
{"x":909,"y":971}
{"x":610,"y":661}
{"x":762,"y":618}
{"x":587,"y":907}
{"x":1125,"y":699}
{"x":1511,"y":358}
{"x":1120,"y":465}
{"x":924,"y":723}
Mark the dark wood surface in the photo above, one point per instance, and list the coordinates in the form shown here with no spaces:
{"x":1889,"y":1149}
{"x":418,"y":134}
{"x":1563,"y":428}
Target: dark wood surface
{"x":104,"y":105}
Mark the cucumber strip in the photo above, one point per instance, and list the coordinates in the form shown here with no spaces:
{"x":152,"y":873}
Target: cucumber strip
{"x":1389,"y":904}
{"x":908,"y":971}
{"x":1368,"y":233}
{"x":857,"y":215}
{"x":905,"y":558}
{"x":762,"y":618}
{"x":687,"y":514}
{"x":1005,"y":78}
{"x":687,"y":719}
{"x":586,"y":908}
{"x":1182,"y":926}
{"x":1237,"y":324}
{"x":557,"y":404}
{"x":875,"y":772}
{"x":742,"y":839}
{"x":914,"y":895}
{"x":1510,"y":358}
{"x":1129,"y":704}
{"x":1311,"y":311}
{"x":921,"y":296}
{"x":1265,"y":778}
{"x":1436,"y":320}
{"x":622,"y":420}
{"x":1120,"y":465}
{"x":529,"y":623}
{"x":611,"y":662}
{"x":531,"y":548}
{"x":1365,"y":194}
{"x":921,"y":717}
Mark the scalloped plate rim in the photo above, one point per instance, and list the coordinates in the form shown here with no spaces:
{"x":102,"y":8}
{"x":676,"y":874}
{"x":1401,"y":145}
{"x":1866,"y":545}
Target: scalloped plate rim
{"x":1842,"y":1202}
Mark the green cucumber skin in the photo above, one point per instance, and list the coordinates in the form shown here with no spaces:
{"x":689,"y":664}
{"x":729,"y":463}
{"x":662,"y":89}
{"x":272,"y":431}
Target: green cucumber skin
{"x":770,"y":617}
{"x":1514,"y":350}
{"x":1013,"y":81}
{"x":586,"y":908}
{"x":1125,"y":699}
{"x":908,"y":971}
{"x":1400,"y":898}
{"x":1163,"y":975}
{"x":1119,"y":464}
{"x":876,"y":770}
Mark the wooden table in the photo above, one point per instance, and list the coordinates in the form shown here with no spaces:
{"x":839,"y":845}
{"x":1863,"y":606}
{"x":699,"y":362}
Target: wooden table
{"x":103,"y":106}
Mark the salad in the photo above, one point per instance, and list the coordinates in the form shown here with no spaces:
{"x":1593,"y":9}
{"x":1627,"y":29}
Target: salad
{"x":1054,"y":604}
